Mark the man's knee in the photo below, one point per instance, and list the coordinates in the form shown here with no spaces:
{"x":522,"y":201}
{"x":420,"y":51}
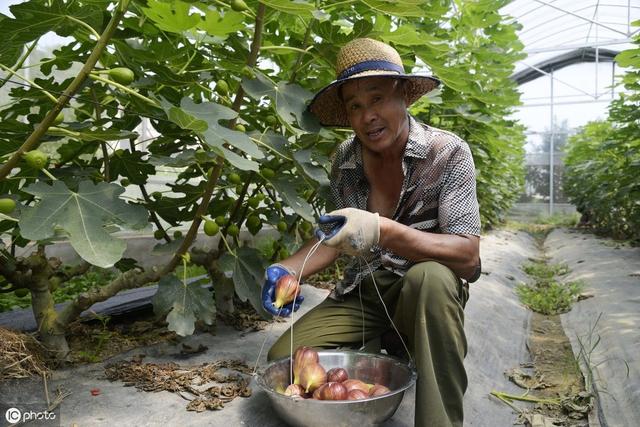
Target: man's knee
{"x":432,"y":280}
{"x":279,"y":350}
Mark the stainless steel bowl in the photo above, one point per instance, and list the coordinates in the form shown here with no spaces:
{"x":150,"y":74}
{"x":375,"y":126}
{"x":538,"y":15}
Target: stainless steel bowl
{"x":370,"y":368}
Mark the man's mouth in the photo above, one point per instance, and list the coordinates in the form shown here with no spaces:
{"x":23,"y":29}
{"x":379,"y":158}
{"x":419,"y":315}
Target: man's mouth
{"x":375,"y":132}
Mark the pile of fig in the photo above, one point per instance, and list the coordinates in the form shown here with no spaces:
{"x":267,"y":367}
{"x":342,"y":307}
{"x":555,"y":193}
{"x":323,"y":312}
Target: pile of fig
{"x":312,"y":381}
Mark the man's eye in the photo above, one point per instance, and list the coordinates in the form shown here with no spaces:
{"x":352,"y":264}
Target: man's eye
{"x":354,"y":107}
{"x":377,"y":98}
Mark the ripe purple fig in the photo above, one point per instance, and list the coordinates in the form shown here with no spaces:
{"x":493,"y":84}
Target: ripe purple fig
{"x":312,"y":376}
{"x":357,"y":385}
{"x":287,"y":288}
{"x":378,"y":390}
{"x":303,"y":356}
{"x":294,"y":390}
{"x":356,"y":394}
{"x":332,"y":391}
{"x":337,"y":375}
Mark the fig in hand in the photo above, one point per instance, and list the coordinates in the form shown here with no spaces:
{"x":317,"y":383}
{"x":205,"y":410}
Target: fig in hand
{"x":287,"y":287}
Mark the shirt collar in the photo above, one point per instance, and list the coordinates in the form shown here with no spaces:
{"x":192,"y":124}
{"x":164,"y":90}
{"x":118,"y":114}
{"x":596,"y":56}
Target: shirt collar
{"x":417,"y":145}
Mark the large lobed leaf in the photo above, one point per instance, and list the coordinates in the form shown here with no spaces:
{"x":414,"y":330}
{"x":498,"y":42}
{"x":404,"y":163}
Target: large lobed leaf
{"x":83,"y":215}
{"x":185,"y":303}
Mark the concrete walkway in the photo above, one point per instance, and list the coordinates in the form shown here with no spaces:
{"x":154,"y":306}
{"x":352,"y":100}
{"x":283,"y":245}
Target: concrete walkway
{"x":610,"y":320}
{"x":496,"y":326}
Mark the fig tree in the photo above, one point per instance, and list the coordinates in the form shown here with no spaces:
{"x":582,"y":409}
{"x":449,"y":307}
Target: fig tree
{"x":21,"y":293}
{"x":59,"y":119}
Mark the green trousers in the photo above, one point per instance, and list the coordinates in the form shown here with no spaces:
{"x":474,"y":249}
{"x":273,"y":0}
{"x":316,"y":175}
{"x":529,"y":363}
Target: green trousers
{"x":426,"y":305}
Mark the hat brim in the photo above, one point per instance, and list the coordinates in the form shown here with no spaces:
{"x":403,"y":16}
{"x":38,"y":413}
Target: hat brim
{"x":330,"y":112}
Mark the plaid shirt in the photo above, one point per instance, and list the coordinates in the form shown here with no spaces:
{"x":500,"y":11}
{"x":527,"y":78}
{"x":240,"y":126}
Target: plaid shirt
{"x":438,"y":194}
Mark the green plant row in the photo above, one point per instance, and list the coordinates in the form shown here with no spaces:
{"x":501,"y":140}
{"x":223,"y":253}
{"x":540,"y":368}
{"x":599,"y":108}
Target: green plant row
{"x":603,"y":160}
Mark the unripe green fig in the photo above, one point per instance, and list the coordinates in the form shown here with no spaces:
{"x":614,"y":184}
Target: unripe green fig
{"x":253,"y":202}
{"x":233,"y":230}
{"x":268,"y":173}
{"x":177,"y":234}
{"x":282,"y":226}
{"x":222,"y":87}
{"x":121,"y":75}
{"x":158,"y":234}
{"x":211,"y":228}
{"x":7,"y":206}
{"x":240,"y":128}
{"x":59,"y":119}
{"x":36,"y":159}
{"x":221,"y":220}
{"x":21,"y":293}
{"x":125,"y":182}
{"x":271,"y":120}
{"x":239,"y":5}
{"x":234,"y":178}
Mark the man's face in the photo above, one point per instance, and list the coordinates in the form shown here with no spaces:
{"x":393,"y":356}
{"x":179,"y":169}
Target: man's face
{"x":377,"y":112}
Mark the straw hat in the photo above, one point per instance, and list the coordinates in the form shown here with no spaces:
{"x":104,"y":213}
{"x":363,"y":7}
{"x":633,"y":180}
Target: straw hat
{"x":362,"y":58}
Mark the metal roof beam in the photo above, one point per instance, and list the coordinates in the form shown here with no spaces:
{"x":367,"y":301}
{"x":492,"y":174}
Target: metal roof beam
{"x":578,"y":46}
{"x":568,"y":12}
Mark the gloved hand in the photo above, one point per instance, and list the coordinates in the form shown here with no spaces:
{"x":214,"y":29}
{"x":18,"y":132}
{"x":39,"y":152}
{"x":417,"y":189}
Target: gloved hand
{"x":353,"y":231}
{"x":271,"y":276}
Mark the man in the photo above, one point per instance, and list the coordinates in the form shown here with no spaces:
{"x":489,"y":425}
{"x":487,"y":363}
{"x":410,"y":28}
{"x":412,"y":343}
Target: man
{"x":408,"y":213}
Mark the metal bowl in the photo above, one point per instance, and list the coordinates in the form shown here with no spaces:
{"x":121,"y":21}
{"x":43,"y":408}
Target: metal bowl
{"x":370,"y":368}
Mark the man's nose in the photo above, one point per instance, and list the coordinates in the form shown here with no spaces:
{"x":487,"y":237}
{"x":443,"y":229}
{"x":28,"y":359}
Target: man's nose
{"x":370,"y":114}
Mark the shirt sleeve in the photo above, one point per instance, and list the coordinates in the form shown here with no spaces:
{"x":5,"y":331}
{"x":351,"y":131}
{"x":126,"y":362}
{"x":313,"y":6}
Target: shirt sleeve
{"x":458,"y":207}
{"x":336,"y":179}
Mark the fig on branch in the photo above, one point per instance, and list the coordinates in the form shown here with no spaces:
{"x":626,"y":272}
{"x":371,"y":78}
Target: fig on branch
{"x":239,"y":5}
{"x":125,"y":182}
{"x":21,"y":293}
{"x":36,"y":159}
{"x":59,"y":119}
{"x":282,"y":226}
{"x":253,"y":202}
{"x":254,"y":224}
{"x":211,"y":228}
{"x":337,"y":375}
{"x":302,"y":357}
{"x":241,"y":128}
{"x":177,"y":234}
{"x":287,"y":287}
{"x":121,"y":75}
{"x":221,"y":220}
{"x":7,"y":206}
{"x":312,"y":376}
{"x":222,"y":88}
{"x":271,"y":120}
{"x":234,"y":178}
{"x":233,"y":230}
{"x":158,"y":234}
{"x":267,"y":173}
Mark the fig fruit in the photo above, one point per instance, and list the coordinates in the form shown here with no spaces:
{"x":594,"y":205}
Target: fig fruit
{"x":353,"y":384}
{"x":234,"y":178}
{"x":337,"y":375}
{"x":312,"y":376}
{"x":302,"y":357}
{"x":233,"y":230}
{"x":294,"y":390}
{"x":7,"y":206}
{"x":36,"y":159}
{"x":356,"y":394}
{"x":282,"y":226}
{"x":211,"y":228}
{"x":240,"y":128}
{"x":239,"y":5}
{"x":125,"y":182}
{"x":378,"y":390}
{"x":121,"y":75}
{"x":331,"y":391}
{"x":268,"y":173}
{"x":21,"y":293}
{"x":158,"y":234}
{"x":287,"y":287}
{"x":221,"y":220}
{"x":222,"y":87}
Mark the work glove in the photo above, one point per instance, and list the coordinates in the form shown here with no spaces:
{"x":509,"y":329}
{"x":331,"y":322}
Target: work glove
{"x":352,"y":231}
{"x":271,"y":276}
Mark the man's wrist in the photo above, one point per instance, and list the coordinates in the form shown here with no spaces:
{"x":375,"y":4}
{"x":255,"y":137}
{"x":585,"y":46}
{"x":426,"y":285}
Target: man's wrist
{"x":386,"y":230}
